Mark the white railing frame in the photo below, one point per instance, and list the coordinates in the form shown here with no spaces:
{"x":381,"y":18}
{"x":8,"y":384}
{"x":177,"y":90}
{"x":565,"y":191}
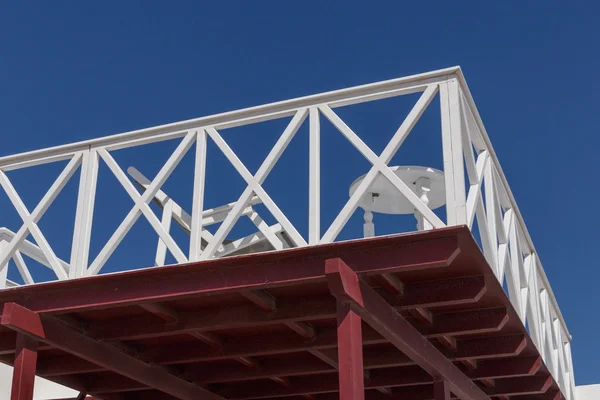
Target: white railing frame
{"x":483,"y":196}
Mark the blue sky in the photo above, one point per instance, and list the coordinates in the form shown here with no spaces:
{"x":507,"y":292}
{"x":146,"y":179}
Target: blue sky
{"x":76,"y":70}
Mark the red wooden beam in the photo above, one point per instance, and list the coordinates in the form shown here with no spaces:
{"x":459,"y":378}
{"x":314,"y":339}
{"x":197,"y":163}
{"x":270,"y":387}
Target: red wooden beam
{"x":507,"y":367}
{"x":326,"y":382}
{"x":467,"y":322}
{"x":441,"y":390}
{"x":444,"y":292}
{"x":24,"y":368}
{"x":520,"y":386}
{"x":374,"y":256}
{"x":283,"y":344}
{"x":57,"y":334}
{"x":490,"y":346}
{"x":290,"y":312}
{"x":350,"y":354}
{"x":346,"y":286}
{"x":214,"y":319}
{"x":551,"y":394}
{"x":305,"y":366}
{"x":397,"y":377}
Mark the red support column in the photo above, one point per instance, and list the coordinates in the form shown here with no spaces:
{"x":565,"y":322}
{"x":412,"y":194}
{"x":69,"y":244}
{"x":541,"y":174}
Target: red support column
{"x":441,"y":389}
{"x":24,"y":371}
{"x":350,"y":355}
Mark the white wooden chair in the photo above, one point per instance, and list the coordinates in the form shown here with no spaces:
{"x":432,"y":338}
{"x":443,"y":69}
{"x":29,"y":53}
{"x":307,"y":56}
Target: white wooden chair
{"x":266,"y":238}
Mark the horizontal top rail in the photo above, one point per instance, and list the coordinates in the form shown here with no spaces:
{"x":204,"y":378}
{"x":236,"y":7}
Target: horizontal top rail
{"x":232,"y":119}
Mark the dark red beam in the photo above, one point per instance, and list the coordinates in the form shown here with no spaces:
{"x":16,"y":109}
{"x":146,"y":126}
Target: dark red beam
{"x":214,"y":319}
{"x":433,"y":249}
{"x":443,"y":292}
{"x":350,"y":354}
{"x":404,"y":376}
{"x":326,"y":339}
{"x":293,"y":313}
{"x":24,"y":368}
{"x":347,"y":287}
{"x":326,"y":342}
{"x":406,"y":383}
{"x":58,"y":335}
{"x":551,"y":394}
{"x":490,"y":346}
{"x":384,"y":371}
{"x":519,"y":366}
{"x":520,"y":386}
{"x":503,"y":367}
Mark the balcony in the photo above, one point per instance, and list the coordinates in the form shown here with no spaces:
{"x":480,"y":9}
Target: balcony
{"x":468,"y":188}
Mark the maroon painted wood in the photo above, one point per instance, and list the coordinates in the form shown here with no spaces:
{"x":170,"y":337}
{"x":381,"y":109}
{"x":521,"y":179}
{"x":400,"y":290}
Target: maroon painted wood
{"x":441,"y":389}
{"x":265,"y":326}
{"x":24,"y":368}
{"x":350,"y":354}
{"x":346,"y":286}
{"x":57,"y":334}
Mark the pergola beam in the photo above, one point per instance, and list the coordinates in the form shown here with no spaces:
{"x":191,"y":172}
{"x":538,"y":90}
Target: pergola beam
{"x":53,"y":332}
{"x":346,"y":286}
{"x":24,"y":368}
{"x":290,"y":313}
{"x":437,"y":249}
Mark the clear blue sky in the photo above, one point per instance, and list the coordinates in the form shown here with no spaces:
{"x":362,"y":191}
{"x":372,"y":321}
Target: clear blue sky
{"x":76,"y":70}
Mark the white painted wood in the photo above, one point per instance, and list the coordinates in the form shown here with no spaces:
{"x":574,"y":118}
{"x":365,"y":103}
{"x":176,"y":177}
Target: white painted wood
{"x":452,"y":153}
{"x":385,"y":157}
{"x":266,"y":230}
{"x":314,"y":189}
{"x":184,"y":220}
{"x":3,"y":268}
{"x":357,"y":94}
{"x":474,"y":195}
{"x":29,"y":249}
{"x":165,"y":221}
{"x":30,"y":220}
{"x":248,"y":241}
{"x":141,"y":205}
{"x":505,"y":194}
{"x":255,"y":185}
{"x":22,"y":267}
{"x":257,"y":179}
{"x":198,"y":197}
{"x":513,"y":275}
{"x":82,"y":232}
{"x":366,"y":151}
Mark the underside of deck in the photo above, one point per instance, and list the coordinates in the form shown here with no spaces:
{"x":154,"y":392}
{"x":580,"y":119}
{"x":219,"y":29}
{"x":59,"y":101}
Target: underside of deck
{"x":417,"y":316}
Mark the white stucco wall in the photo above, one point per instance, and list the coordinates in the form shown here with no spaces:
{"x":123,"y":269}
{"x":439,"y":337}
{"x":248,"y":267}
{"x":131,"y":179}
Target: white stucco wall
{"x":43,"y":390}
{"x":587,"y":392}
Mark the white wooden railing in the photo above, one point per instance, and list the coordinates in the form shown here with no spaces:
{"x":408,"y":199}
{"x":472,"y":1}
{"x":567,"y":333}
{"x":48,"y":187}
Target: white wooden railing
{"x":467,"y":152}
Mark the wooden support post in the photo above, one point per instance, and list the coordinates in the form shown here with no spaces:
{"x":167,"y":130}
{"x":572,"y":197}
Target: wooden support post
{"x":441,"y":390}
{"x":350,"y":355}
{"x":24,"y":368}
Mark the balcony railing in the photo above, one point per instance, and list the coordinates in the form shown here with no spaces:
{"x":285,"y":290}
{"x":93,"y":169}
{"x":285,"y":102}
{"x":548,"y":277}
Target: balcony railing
{"x":475,"y":190}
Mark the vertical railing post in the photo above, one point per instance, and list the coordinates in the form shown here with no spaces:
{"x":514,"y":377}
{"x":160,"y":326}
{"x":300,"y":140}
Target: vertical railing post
{"x":198,"y":197}
{"x":24,"y":368}
{"x":452,"y":152}
{"x":82,"y":232}
{"x":314,"y":197}
{"x":3,"y":268}
{"x":161,"y":247}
